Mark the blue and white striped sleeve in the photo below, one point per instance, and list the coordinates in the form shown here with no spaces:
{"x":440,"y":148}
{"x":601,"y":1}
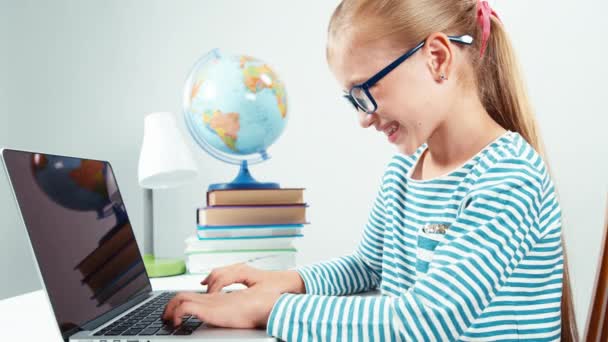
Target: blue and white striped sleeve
{"x":494,"y":230}
{"x":358,"y":272}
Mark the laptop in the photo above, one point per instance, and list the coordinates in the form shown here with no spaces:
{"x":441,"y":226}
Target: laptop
{"x":89,"y":261}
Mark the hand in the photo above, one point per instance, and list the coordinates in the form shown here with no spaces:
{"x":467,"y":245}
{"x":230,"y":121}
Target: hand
{"x":279,"y":281}
{"x":248,"y":308}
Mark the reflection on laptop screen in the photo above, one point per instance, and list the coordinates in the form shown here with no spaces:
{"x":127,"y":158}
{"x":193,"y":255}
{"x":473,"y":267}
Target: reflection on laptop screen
{"x":80,"y":232}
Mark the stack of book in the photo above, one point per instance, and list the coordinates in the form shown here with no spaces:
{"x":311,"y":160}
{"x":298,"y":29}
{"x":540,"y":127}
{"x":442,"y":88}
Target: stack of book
{"x":254,"y":226}
{"x":112,"y":265}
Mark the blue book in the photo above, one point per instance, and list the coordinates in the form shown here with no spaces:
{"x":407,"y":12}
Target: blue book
{"x":249,"y":231}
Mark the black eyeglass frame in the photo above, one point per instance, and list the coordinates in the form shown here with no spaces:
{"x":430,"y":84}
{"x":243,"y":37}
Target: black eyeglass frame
{"x":365,"y":86}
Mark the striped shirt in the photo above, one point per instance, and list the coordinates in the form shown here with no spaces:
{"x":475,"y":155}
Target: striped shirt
{"x":491,"y":271}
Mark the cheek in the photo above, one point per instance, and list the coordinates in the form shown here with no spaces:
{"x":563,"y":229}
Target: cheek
{"x":412,"y":110}
{"x":411,"y":102}
{"x":423,"y":107}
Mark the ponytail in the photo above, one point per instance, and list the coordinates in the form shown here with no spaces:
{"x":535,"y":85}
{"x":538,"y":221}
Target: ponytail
{"x":503,"y":94}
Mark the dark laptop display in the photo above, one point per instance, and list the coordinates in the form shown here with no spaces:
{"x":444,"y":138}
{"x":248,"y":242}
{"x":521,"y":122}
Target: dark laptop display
{"x":80,"y":232}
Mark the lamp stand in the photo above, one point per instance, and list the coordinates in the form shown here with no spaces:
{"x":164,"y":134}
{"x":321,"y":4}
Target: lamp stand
{"x":156,"y":267}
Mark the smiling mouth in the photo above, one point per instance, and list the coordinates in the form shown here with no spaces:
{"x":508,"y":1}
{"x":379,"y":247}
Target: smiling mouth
{"x":391,"y":128}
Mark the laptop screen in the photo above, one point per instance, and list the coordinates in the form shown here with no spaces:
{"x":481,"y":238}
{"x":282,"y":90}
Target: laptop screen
{"x":80,"y":232}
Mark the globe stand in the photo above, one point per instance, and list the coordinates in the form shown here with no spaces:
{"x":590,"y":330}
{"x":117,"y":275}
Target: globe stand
{"x":243,"y":180}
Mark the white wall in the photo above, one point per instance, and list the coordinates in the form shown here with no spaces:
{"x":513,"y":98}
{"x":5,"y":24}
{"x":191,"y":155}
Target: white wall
{"x":563,"y":60}
{"x":77,"y":77}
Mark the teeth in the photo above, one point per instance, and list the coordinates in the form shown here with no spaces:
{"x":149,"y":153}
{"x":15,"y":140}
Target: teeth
{"x":392,"y":130}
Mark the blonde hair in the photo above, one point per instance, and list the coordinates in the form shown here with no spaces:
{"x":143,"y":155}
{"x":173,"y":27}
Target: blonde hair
{"x":496,"y":75}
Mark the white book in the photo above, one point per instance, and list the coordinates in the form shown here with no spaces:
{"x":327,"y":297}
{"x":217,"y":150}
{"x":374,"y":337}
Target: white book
{"x":267,"y":260}
{"x":194,"y":244}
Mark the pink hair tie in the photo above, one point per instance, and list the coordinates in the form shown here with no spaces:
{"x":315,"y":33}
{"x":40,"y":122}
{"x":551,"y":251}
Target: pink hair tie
{"x":484,"y":11}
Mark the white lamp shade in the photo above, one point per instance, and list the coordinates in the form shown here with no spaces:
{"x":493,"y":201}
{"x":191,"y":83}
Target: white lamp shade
{"x":165,"y":160}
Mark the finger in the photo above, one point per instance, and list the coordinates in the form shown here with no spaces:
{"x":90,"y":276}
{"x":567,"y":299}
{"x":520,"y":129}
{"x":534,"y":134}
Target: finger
{"x":170,"y":306}
{"x":184,"y":297}
{"x":204,"y":282}
{"x":212,"y":275}
{"x":216,"y":285}
{"x":186,"y":308}
{"x":175,"y":301}
{"x":236,"y":273}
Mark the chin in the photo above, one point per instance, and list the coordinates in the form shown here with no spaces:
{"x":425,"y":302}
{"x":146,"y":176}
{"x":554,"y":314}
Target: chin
{"x":407,"y":149}
{"x":408,"y":145}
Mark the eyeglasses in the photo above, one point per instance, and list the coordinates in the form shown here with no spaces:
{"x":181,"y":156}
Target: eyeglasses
{"x":360,"y":96}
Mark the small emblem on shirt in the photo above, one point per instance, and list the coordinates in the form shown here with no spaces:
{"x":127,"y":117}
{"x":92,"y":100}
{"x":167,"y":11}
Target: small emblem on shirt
{"x":435,"y":228}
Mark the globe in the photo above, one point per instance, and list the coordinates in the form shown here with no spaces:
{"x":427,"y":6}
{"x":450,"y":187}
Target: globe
{"x":235,"y":108}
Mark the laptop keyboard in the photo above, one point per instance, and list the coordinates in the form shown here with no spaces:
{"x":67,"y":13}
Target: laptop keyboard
{"x":147,"y":321}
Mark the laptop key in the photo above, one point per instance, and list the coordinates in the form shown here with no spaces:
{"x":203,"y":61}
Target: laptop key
{"x":193,"y":325}
{"x":163,"y":331}
{"x":183,"y":331}
{"x":120,"y":328}
{"x":113,"y":333}
{"x":149,"y":331}
{"x":131,"y":332}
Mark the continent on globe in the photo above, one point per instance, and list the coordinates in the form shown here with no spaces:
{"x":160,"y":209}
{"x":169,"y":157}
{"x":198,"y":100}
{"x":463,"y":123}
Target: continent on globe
{"x":195,"y":89}
{"x":225,"y":125}
{"x":260,"y":77}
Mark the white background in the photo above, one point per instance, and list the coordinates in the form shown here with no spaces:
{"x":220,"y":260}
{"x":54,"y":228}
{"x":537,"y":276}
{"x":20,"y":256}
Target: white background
{"x":77,"y":78}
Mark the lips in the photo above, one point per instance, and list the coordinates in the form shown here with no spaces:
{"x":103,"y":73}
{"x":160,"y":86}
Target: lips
{"x":390,"y":128}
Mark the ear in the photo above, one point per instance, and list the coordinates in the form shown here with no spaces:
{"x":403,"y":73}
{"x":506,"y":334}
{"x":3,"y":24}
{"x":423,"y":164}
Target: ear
{"x":439,"y":53}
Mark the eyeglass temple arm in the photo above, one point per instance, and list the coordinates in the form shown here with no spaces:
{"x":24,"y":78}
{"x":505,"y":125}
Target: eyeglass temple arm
{"x":464,"y":39}
{"x":392,"y":66}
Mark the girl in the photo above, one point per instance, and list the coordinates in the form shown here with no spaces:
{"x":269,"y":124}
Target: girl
{"x":464,"y":238}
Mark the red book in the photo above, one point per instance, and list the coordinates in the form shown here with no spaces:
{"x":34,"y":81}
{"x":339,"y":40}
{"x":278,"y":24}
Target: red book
{"x":239,"y":197}
{"x":251,"y":215}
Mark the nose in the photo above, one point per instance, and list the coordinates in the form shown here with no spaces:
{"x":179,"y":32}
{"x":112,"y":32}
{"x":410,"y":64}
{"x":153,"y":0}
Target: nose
{"x":367,"y":120}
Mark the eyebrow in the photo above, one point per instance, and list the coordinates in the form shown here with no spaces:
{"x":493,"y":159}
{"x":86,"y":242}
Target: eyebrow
{"x":354,"y":82}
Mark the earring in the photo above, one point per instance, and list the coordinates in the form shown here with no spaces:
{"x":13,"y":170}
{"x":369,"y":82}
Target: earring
{"x":443,"y":78}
